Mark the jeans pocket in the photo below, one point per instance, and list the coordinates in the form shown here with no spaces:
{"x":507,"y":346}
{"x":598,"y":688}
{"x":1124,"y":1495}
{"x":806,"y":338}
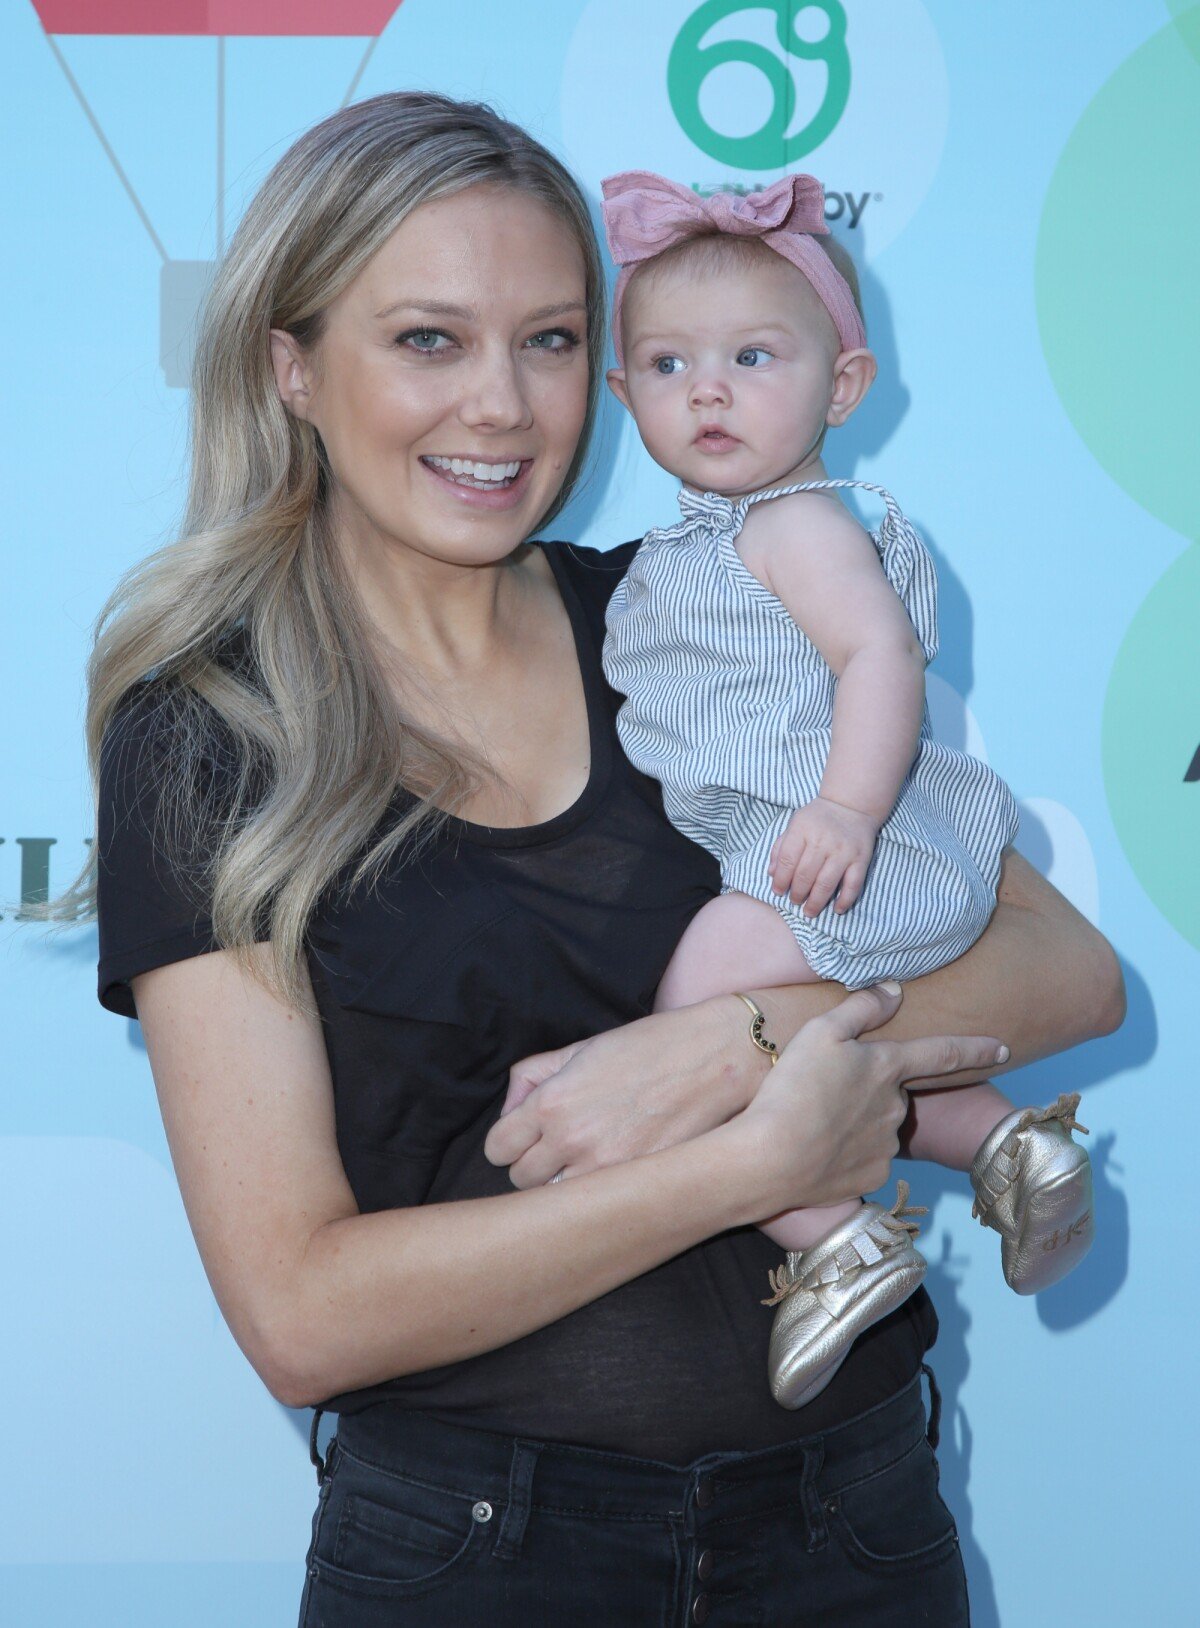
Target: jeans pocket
{"x":895,"y":1520}
{"x":384,"y":1537}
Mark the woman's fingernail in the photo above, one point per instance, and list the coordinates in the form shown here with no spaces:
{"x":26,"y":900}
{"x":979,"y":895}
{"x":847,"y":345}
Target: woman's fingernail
{"x":1002,"y":1054}
{"x":889,"y":986}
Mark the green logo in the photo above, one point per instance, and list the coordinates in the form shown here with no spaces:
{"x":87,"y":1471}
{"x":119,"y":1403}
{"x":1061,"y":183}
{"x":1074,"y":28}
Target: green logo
{"x":770,"y":147}
{"x":1152,"y":744}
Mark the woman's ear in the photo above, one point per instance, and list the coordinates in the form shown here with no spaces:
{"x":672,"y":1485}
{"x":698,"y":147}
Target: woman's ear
{"x":616,"y":383}
{"x":293,"y":373}
{"x":853,"y":375}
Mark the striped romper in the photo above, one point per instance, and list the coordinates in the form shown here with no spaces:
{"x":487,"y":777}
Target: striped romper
{"x":729,"y":707}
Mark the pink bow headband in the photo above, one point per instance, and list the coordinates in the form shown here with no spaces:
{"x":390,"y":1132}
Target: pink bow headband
{"x":645,"y":214}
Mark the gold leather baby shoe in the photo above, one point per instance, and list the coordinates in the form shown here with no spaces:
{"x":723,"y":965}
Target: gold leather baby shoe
{"x":827,"y":1294}
{"x":1033,"y":1185}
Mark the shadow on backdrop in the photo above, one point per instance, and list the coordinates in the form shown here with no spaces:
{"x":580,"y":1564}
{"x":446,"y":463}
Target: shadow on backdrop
{"x":951,"y":1365}
{"x":862,"y":438}
{"x":877,"y":419}
{"x":1091,"y":1287}
{"x":589,"y":496}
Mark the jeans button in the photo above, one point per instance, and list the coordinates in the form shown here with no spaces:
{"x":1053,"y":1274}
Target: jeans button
{"x":700,"y":1608}
{"x":704,"y":1566}
{"x":481,"y":1512}
{"x":704,"y":1492}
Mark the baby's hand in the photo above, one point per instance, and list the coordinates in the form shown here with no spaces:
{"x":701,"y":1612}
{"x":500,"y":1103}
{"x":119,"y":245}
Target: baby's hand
{"x":824,"y":851}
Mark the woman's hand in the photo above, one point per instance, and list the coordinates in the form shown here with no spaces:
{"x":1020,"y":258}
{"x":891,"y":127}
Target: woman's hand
{"x":671,"y":1077}
{"x":633,"y":1090}
{"x":825,"y":1121}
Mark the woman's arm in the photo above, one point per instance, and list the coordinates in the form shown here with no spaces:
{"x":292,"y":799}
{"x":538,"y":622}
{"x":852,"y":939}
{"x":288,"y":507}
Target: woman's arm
{"x":323,"y":1299}
{"x":1041,"y":977}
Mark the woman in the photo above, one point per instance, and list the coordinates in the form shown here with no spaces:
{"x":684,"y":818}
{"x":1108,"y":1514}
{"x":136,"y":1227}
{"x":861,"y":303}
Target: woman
{"x":365,"y":841}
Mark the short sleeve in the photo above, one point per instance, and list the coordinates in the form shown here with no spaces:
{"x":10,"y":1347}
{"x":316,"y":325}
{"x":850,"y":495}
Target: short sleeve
{"x":152,"y":905}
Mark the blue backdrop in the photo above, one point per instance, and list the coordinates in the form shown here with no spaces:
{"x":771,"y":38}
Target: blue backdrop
{"x":1018,"y":184}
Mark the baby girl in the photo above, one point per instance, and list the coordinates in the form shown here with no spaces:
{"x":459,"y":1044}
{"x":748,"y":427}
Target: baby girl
{"x":772,"y":654}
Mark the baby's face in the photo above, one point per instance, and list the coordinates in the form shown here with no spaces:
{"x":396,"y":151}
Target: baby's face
{"x":729,"y":372}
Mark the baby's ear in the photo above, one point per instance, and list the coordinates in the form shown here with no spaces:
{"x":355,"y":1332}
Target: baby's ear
{"x":853,"y":375}
{"x":616,"y":383}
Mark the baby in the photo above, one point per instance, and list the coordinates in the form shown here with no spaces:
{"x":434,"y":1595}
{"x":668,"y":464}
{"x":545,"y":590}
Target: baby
{"x":772,"y":654}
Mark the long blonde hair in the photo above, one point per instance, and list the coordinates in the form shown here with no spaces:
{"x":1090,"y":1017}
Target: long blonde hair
{"x":313,"y":738}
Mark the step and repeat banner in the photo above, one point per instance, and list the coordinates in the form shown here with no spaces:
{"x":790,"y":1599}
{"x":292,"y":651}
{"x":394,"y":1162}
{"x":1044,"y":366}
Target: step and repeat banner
{"x":1018,"y":185}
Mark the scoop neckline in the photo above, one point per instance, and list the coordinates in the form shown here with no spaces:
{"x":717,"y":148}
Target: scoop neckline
{"x":587,"y":659}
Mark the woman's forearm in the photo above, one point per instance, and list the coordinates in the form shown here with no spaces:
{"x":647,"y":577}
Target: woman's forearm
{"x":400,"y":1291}
{"x":1040,"y":977}
{"x":324,"y":1299}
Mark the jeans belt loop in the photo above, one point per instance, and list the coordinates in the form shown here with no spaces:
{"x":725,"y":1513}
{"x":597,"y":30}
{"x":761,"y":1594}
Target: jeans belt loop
{"x":516,"y":1513}
{"x":810,"y":1499}
{"x":933,"y":1432}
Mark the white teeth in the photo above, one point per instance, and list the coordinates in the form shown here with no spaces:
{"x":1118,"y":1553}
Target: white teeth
{"x":469,"y":472}
{"x":480,"y":471}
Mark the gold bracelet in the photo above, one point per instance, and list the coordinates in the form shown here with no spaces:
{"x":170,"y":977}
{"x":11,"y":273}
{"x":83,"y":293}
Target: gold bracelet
{"x":757,"y":1019}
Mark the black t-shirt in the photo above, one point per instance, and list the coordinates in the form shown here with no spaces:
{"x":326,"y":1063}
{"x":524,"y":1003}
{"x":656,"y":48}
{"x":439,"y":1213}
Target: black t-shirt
{"x":493,"y":944}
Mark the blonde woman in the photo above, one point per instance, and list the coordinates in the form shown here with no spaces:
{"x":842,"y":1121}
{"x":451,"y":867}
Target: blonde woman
{"x":366,"y":840}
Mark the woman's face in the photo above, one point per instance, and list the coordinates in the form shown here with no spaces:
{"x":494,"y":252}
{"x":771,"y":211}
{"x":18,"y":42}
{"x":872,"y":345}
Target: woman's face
{"x":449,"y":384}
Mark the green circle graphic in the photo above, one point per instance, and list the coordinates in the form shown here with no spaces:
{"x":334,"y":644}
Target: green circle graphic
{"x":1152,"y":744}
{"x":1118,"y":265}
{"x":770,"y":147}
{"x":1188,"y":21}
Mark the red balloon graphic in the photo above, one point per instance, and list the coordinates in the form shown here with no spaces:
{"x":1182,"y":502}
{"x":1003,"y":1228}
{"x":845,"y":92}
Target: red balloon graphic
{"x":183,"y":283}
{"x":261,"y":17}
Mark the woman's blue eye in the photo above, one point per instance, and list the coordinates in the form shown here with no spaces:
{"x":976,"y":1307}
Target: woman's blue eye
{"x":667,"y":364}
{"x":424,"y":340}
{"x":753,"y":356}
{"x":554,"y":339}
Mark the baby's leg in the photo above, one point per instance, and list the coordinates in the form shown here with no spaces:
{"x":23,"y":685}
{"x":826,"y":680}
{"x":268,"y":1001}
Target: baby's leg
{"x":737,"y":943}
{"x":949,"y":1127}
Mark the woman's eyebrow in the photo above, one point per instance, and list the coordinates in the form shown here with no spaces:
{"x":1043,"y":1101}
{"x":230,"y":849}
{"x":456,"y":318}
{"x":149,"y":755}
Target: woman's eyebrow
{"x":465,"y":313}
{"x":562,"y":309}
{"x":435,"y":308}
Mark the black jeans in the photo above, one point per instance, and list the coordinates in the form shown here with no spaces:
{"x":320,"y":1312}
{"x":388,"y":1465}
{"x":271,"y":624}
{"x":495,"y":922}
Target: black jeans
{"x":434,"y":1525}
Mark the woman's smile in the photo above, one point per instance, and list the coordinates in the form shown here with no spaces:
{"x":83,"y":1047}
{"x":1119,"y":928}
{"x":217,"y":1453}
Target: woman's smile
{"x":493,"y":483}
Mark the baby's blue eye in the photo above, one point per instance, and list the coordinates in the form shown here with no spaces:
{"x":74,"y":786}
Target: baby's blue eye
{"x":753,"y":356}
{"x":667,"y":364}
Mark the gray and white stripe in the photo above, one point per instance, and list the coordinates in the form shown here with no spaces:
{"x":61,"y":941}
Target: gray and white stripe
{"x":729,"y":707}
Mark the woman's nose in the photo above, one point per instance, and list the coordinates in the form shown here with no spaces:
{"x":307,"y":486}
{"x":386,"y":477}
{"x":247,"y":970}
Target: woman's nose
{"x":496,"y":397}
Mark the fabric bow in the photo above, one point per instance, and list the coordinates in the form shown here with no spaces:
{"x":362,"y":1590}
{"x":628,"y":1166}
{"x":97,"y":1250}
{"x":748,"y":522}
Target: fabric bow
{"x":645,"y":214}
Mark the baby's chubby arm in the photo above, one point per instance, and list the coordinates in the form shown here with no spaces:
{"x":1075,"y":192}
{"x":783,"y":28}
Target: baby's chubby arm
{"x":815,"y":557}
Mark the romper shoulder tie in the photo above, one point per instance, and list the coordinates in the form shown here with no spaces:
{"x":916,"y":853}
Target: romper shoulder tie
{"x":905,"y":558}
